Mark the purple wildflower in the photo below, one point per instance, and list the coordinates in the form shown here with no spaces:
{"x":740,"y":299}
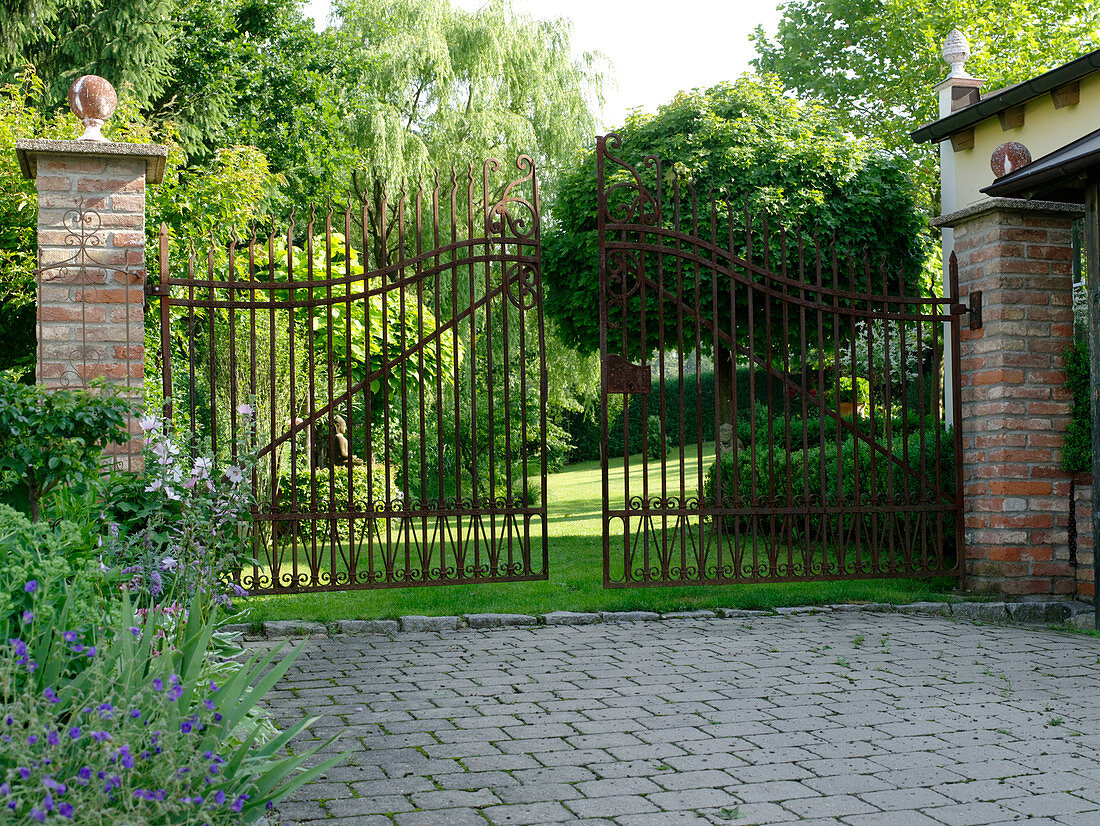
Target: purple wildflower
{"x":20,"y":647}
{"x":74,"y":732}
{"x":135,"y":630}
{"x":53,"y":738}
{"x":105,"y":711}
{"x":100,"y":736}
{"x":32,"y":739}
{"x":71,"y":636}
{"x":28,"y":616}
{"x":31,"y":586}
{"x":38,"y":816}
{"x":158,"y":684}
{"x":50,"y":695}
{"x":135,"y":713}
{"x":65,"y":810}
{"x":24,"y":773}
{"x":238,"y":804}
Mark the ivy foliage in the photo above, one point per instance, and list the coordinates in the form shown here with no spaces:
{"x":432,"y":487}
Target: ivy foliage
{"x":749,"y":143}
{"x":1077,"y":443}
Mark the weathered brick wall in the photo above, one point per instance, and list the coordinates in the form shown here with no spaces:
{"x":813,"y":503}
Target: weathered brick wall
{"x":1082,"y":517}
{"x":1015,"y":407}
{"x":91,"y":240}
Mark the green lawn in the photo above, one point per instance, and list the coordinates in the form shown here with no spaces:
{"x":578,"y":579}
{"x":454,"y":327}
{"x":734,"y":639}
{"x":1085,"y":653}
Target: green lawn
{"x":576,"y":576}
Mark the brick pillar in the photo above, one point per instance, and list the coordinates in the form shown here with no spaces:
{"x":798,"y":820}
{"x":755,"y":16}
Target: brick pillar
{"x":91,"y":282}
{"x":1015,"y":407}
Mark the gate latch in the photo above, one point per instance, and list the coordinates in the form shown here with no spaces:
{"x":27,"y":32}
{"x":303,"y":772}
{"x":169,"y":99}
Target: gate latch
{"x":624,"y":377}
{"x":975,"y":309}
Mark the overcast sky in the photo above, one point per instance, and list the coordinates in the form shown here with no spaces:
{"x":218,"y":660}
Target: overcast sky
{"x":655,"y":47}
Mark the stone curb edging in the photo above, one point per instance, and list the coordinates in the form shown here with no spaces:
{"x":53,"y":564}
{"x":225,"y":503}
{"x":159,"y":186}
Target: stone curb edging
{"x":993,"y":612}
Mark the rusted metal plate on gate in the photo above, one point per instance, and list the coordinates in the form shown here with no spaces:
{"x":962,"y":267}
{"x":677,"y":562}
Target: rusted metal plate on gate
{"x":624,"y":377}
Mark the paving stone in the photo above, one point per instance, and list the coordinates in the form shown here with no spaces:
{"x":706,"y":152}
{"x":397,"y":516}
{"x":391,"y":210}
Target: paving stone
{"x":834,"y":805}
{"x":1039,"y":611}
{"x":669,"y":615}
{"x":523,"y":814}
{"x":439,"y":817}
{"x":743,"y":613}
{"x":629,"y":616}
{"x":877,"y":607}
{"x":610,"y":806}
{"x":570,"y":618}
{"x":499,"y":620}
{"x":454,"y":799}
{"x":367,"y":626}
{"x":415,"y":622}
{"x":283,"y":629}
{"x":802,"y":609}
{"x":980,"y":611}
{"x":934,"y":722}
{"x":934,"y":608}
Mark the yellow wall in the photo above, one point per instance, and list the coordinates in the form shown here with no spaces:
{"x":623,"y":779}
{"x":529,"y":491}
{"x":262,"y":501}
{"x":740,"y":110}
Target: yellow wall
{"x":1045,"y":129}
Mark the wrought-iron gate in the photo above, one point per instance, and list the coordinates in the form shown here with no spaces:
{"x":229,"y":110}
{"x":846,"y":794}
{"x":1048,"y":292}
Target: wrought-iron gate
{"x":781,"y":395}
{"x":393,"y":352}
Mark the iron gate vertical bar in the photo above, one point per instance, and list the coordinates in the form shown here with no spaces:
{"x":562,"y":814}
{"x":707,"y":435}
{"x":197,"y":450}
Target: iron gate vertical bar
{"x":956,"y":379}
{"x":601,"y":256}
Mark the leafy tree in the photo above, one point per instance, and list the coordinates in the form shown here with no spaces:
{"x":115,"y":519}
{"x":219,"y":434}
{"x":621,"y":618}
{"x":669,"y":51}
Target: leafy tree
{"x":750,"y":143}
{"x":874,"y":62}
{"x":129,"y":43}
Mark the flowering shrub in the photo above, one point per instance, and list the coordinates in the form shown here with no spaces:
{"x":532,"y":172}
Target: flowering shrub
{"x":182,"y":524}
{"x":123,"y":722}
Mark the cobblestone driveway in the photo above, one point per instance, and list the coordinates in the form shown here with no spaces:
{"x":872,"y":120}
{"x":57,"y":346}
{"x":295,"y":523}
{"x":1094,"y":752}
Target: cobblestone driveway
{"x":848,"y":718}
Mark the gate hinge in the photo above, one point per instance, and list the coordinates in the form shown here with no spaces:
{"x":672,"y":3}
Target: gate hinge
{"x":157,"y":290}
{"x":624,"y":377}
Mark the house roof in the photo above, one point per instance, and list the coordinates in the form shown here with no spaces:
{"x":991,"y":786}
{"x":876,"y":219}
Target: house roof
{"x":1008,"y":97}
{"x":1057,"y":176}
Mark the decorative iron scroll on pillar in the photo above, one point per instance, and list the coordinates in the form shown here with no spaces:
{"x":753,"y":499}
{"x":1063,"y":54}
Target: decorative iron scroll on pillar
{"x":74,"y":281}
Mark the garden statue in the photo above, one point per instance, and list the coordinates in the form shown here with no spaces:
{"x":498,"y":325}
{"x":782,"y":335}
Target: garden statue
{"x":726,"y":440}
{"x":343,"y":447}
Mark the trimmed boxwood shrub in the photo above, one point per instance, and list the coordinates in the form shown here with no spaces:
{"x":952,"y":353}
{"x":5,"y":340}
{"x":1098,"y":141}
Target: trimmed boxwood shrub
{"x":698,"y":420}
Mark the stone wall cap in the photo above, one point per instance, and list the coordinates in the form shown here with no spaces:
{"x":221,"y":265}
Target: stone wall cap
{"x":29,"y":150}
{"x":1008,"y":205}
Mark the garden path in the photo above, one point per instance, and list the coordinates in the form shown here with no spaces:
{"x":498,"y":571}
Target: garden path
{"x":844,"y":718}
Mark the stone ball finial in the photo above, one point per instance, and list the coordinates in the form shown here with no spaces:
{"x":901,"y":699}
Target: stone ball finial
{"x":956,"y":51}
{"x":1008,"y":157}
{"x":93,"y":100}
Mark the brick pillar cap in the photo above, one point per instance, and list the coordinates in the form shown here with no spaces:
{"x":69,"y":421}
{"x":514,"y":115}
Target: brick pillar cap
{"x":989,"y":205}
{"x":30,"y":150}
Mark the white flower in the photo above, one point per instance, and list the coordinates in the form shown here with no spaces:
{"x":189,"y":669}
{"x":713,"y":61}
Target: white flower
{"x":169,"y":563}
{"x":148,"y":423}
{"x":202,"y":467}
{"x":245,"y":410}
{"x":234,"y":474}
{"x":171,"y":493}
{"x":154,"y":486}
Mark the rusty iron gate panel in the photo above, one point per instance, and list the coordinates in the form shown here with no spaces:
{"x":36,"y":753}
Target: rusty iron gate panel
{"x":393,"y":350}
{"x":777,"y":396}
